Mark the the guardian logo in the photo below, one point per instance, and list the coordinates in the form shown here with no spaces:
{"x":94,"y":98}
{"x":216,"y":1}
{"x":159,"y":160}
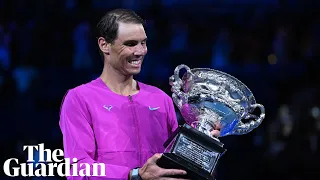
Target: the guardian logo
{"x":51,"y":164}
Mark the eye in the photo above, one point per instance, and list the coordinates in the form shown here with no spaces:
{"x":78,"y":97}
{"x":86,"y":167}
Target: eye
{"x":131,"y":44}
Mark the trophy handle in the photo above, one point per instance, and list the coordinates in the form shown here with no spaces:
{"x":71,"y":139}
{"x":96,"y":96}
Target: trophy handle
{"x":244,"y":128}
{"x":175,"y":81}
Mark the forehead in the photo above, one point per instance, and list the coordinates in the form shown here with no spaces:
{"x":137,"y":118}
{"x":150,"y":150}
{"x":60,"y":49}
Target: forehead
{"x":130,"y":31}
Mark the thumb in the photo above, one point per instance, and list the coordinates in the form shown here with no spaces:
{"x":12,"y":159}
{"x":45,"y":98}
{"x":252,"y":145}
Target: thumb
{"x":155,"y":157}
{"x":215,"y":133}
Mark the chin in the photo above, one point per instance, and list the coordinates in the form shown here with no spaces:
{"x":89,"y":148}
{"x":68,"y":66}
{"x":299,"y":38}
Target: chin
{"x":134,"y":72}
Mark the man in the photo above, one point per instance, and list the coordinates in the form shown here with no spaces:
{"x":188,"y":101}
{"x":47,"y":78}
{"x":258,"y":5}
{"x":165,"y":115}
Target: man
{"x":115,"y":119}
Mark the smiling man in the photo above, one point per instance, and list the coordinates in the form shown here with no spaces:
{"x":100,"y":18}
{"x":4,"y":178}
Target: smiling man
{"x":115,"y":119}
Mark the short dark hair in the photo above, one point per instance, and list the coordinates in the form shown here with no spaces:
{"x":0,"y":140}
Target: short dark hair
{"x":108,"y":25}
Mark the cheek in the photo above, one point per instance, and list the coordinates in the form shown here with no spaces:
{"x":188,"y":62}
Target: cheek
{"x":122,"y":52}
{"x":125,"y":55}
{"x":146,"y":50}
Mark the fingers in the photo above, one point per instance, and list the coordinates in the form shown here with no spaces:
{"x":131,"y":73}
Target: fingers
{"x":173,"y":179}
{"x":216,"y":130}
{"x":166,"y":172}
{"x":217,"y":126}
{"x":172,"y":172}
{"x":215,"y":133}
{"x":155,"y":158}
{"x":151,"y":170}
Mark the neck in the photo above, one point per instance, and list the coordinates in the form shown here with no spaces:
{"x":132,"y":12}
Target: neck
{"x":119,"y":83}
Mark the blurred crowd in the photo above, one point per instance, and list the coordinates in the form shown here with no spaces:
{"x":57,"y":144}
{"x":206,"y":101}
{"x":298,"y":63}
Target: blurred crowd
{"x":48,"y":47}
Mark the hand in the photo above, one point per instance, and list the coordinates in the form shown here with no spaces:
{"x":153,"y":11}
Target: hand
{"x":216,"y":132}
{"x":151,"y":171}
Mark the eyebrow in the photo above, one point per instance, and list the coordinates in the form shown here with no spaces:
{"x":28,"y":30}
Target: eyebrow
{"x":128,"y":41}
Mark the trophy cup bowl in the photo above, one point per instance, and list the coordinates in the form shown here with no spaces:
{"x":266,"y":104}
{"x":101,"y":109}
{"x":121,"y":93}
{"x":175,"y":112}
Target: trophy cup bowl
{"x":208,"y":99}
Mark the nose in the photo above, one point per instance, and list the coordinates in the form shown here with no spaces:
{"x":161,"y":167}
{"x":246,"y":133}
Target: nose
{"x":140,"y":50}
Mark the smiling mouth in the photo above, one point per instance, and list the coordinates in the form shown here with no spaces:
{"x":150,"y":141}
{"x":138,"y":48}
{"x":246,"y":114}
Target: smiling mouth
{"x":135,"y":62}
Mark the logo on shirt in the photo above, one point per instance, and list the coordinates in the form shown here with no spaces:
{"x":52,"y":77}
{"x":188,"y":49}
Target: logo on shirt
{"x":108,"y":107}
{"x":153,"y":108}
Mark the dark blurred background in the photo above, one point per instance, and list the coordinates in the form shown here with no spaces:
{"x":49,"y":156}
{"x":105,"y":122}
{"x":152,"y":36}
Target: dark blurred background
{"x":49,"y":46}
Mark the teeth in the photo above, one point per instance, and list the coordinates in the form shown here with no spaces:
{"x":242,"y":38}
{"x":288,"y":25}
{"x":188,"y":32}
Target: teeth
{"x":134,"y":62}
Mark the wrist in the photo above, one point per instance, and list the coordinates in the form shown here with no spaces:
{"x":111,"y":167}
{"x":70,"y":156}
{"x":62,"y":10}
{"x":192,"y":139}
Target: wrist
{"x":130,"y":175}
{"x":139,"y":172}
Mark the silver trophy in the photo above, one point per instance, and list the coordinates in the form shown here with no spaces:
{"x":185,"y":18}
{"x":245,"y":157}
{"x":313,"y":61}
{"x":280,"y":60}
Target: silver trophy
{"x":207,"y":99}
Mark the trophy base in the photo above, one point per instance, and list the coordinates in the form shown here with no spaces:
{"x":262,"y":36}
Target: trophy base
{"x":171,"y":161}
{"x":192,"y":151}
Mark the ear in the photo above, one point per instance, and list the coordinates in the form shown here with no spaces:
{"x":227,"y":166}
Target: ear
{"x":103,"y":45}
